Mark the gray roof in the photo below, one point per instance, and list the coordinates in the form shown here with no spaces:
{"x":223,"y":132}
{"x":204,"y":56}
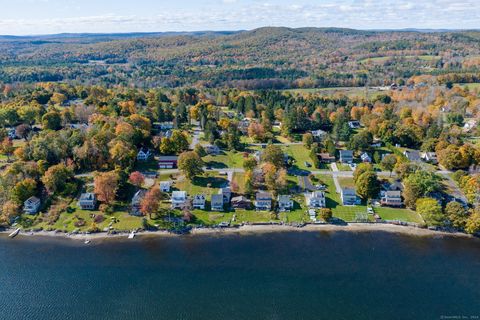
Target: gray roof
{"x":87,"y":196}
{"x":393,"y":194}
{"x":168,"y":158}
{"x":284,"y":198}
{"x":217,"y":198}
{"x":346,"y":153}
{"x":349,"y":192}
{"x":263,"y":196}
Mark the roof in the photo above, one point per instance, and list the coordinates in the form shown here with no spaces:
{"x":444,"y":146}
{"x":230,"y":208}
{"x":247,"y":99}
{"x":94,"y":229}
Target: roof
{"x":349,"y":192}
{"x":165,"y":183}
{"x":284,"y":198}
{"x":217,"y":198}
{"x":179,"y":194}
{"x":346,"y":153}
{"x":412,"y":154}
{"x":326,"y":155}
{"x":263,"y":196}
{"x":32,"y":200}
{"x":87,"y":196}
{"x":168,"y":158}
{"x":393,"y":194}
{"x":199,"y":197}
{"x":240,"y":199}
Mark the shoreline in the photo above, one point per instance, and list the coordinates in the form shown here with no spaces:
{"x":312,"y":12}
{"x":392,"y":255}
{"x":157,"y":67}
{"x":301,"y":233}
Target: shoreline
{"x":253,"y":229}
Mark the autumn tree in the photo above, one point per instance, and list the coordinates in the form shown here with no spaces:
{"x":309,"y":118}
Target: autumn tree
{"x":190,"y":164}
{"x":151,"y":202}
{"x":24,"y":189}
{"x":52,"y":121}
{"x":473,"y":222}
{"x":106,"y":186}
{"x":431,"y":211}
{"x":137,"y":179}
{"x":456,"y":214}
{"x":7,"y":147}
{"x":307,"y":140}
{"x":274,"y":155}
{"x":367,"y":185}
{"x":57,"y":179}
{"x":388,"y":162}
{"x":361,"y":169}
{"x":326,"y":214}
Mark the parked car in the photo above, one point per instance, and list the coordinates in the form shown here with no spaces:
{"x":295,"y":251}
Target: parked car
{"x":307,"y":164}
{"x":370,"y":210}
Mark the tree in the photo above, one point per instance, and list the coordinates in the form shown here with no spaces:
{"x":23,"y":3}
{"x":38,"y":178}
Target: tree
{"x":136,"y":178}
{"x":420,"y":184}
{"x":473,"y":222}
{"x":52,"y":121}
{"x":167,"y":146}
{"x":56,"y":178}
{"x":22,"y":131}
{"x":10,"y":210}
{"x":274,"y":155}
{"x":307,"y":139}
{"x":361,"y":141}
{"x":151,"y":202}
{"x":457,"y":214}
{"x":190,"y":164}
{"x":256,"y":132}
{"x":106,"y":186}
{"x":249,"y":164}
{"x":431,"y":211}
{"x":388,"y":162}
{"x":7,"y":147}
{"x":180,"y":141}
{"x":23,"y":190}
{"x":200,"y":150}
{"x":330,"y":147}
{"x":122,"y":153}
{"x":361,"y":169}
{"x":249,"y":184}
{"x":367,"y":185}
{"x":326,"y":214}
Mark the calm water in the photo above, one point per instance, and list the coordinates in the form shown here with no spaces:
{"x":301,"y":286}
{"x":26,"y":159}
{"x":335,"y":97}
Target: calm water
{"x":273,"y":276}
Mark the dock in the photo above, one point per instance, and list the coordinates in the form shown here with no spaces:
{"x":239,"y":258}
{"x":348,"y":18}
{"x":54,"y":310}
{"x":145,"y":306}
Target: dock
{"x":14,"y":233}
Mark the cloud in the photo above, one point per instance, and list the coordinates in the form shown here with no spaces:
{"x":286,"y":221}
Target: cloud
{"x":360,"y":14}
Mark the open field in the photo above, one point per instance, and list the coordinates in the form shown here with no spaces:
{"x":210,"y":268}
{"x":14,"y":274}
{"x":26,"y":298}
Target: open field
{"x":227,"y":159}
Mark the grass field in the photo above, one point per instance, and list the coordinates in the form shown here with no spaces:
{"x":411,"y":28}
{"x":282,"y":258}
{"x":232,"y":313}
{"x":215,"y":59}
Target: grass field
{"x":300,"y":154}
{"x":227,"y":159}
{"x":206,"y":185}
{"x":401,"y":214}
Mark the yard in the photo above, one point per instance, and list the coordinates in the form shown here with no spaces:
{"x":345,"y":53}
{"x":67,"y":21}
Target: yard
{"x":226,"y":159}
{"x":400,"y":214}
{"x":207,"y":185}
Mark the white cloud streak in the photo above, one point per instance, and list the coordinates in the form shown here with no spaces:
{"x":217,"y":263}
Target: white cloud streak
{"x":235,"y":14}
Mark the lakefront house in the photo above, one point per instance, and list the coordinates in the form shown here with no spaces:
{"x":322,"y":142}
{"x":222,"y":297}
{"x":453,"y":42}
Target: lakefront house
{"x":198,"y":201}
{"x":31,"y":205}
{"x":136,"y":203}
{"x":179,"y":199}
{"x":216,"y":202}
{"x":87,"y":201}
{"x":263,"y":201}
{"x":348,"y":196}
{"x":315,"y":199}
{"x":285,"y":203}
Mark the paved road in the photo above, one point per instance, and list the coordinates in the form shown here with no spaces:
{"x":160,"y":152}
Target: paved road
{"x":277,"y":144}
{"x":195,"y":137}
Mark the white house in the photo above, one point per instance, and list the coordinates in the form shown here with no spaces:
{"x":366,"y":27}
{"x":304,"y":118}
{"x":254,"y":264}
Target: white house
{"x":198,"y":201}
{"x":391,"y":198}
{"x":216,"y":202}
{"x":31,"y":205}
{"x":226,"y":193}
{"x":366,"y":157}
{"x":179,"y":199}
{"x":263,"y":201}
{"x":430,"y":157}
{"x":346,"y":156}
{"x":319,"y":135}
{"x":143,"y":155}
{"x":354,"y":124}
{"x":285,"y":203}
{"x":165,"y":186}
{"x":87,"y":201}
{"x":348,"y":196}
{"x":212,"y":149}
{"x":315,"y":199}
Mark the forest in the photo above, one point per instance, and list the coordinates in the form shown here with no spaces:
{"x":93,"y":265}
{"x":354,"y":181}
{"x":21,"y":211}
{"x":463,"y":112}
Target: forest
{"x":264,"y":58}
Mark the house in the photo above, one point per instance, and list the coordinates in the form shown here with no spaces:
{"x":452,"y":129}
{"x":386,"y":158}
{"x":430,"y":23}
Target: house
{"x":226,"y":193}
{"x":212,"y":149}
{"x":395,"y":186}
{"x":326,"y":158}
{"x":348,"y":196}
{"x":143,"y":155}
{"x":198,"y":201}
{"x":179,"y":199}
{"x":470,"y":125}
{"x":366,"y":157}
{"x":216,"y":202}
{"x":78,"y":126}
{"x":241,"y":202}
{"x":391,"y":198}
{"x":167,"y":162}
{"x":354,"y":124}
{"x":263,"y":201}
{"x":430,"y":157}
{"x":164,"y":126}
{"x":319,"y":135}
{"x":376,"y":143}
{"x":285,"y":203}
{"x":258,"y":156}
{"x":346,"y":156}
{"x":165,"y":186}
{"x":412,"y":155}
{"x":87,"y":201}
{"x":315,"y":199}
{"x":137,"y":202}
{"x":31,"y":205}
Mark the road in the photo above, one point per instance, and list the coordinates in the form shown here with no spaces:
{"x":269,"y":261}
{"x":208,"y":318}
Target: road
{"x":195,"y":137}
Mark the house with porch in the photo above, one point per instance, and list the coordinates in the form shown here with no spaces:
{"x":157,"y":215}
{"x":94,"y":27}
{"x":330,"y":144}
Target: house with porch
{"x":87,"y":201}
{"x":346,"y":156}
{"x":31,"y":205}
{"x":216,"y":202}
{"x":240,"y":202}
{"x":263,"y":201}
{"x":349,"y":197}
{"x":179,"y":199}
{"x":315,"y":199}
{"x":167,"y":162}
{"x":391,"y":198}
{"x":285,"y":203}
{"x":198,"y":201}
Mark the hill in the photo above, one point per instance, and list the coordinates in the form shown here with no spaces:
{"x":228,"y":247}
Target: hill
{"x":261,"y":58}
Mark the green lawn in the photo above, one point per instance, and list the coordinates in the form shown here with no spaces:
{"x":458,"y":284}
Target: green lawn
{"x":346,"y":182}
{"x":343,"y":167}
{"x":301,"y":155}
{"x":207,"y":185}
{"x":227,"y":159}
{"x":401,"y":214}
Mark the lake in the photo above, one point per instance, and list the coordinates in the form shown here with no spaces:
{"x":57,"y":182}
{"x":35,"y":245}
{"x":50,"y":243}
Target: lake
{"x":297,"y":275}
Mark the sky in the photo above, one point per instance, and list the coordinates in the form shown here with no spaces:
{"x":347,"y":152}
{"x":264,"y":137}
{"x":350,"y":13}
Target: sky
{"x":27,"y":17}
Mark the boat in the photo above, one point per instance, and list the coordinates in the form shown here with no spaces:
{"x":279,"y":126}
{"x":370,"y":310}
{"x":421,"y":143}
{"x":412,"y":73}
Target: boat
{"x":87,"y":241}
{"x":131,"y":235}
{"x":14,"y":233}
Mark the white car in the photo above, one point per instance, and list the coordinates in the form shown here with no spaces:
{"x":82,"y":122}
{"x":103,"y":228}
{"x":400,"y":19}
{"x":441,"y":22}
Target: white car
{"x":370,"y":210}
